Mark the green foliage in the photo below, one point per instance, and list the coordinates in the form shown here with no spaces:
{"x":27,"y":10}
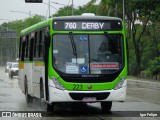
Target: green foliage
{"x":155,"y":66}
{"x":67,"y":11}
{"x":153,"y":69}
{"x":110,"y":8}
{"x":104,"y":8}
{"x":19,"y":25}
{"x":146,"y":7}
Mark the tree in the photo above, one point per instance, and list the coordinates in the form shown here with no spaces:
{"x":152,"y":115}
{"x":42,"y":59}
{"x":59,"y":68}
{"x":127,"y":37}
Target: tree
{"x":90,"y":7}
{"x":67,"y":10}
{"x":142,"y":10}
{"x":19,"y":25}
{"x":111,"y":8}
{"x":152,"y":51}
{"x":155,"y":66}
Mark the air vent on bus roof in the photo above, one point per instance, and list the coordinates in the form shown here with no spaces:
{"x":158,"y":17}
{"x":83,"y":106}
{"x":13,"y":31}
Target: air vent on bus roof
{"x":88,"y":14}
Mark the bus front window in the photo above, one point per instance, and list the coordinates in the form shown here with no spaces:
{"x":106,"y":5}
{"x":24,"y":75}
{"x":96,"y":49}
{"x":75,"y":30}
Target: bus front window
{"x":70,"y":53}
{"x":106,"y":53}
{"x":87,"y":54}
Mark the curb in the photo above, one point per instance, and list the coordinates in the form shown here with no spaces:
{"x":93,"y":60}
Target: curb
{"x":147,"y":84}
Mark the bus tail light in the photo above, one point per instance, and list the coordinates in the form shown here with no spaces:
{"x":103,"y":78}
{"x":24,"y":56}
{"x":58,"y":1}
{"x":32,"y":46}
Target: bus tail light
{"x":57,"y":84}
{"x":120,"y":84}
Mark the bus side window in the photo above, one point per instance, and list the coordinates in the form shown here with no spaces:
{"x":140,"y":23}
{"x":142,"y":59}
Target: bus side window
{"x":36,"y":44}
{"x":41,"y":44}
{"x":32,"y":38}
{"x":38,"y":47}
{"x":20,"y":48}
{"x":23,"y":50}
{"x":27,"y":46}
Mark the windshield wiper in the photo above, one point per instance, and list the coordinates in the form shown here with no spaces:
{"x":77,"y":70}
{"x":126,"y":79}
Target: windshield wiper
{"x":107,"y":35}
{"x":73,"y":45}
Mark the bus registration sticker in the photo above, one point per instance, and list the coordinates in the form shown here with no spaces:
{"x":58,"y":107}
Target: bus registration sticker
{"x":89,"y":99}
{"x":72,"y":68}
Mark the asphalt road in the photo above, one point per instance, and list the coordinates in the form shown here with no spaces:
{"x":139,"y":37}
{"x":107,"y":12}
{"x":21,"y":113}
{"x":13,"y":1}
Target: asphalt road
{"x":141,"y":101}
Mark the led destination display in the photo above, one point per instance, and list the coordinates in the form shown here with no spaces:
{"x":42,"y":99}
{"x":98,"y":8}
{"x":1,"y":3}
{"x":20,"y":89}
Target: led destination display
{"x":87,"y":25}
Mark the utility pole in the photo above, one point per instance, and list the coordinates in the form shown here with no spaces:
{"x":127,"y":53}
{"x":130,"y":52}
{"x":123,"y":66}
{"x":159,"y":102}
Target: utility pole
{"x":1,"y":56}
{"x":23,"y":12}
{"x":1,"y":46}
{"x":123,"y":11}
{"x":30,"y":14}
{"x":72,"y":7}
{"x":49,"y":7}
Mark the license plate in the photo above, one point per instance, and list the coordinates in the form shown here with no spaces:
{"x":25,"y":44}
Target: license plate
{"x":89,"y":99}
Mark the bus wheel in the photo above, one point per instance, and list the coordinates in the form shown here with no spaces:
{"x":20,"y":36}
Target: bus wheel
{"x":29,"y":99}
{"x":43,"y":104}
{"x":11,"y":75}
{"x":106,"y":106}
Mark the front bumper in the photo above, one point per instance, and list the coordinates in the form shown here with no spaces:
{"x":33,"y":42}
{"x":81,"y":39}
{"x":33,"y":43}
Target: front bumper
{"x":14,"y":73}
{"x":56,"y":95}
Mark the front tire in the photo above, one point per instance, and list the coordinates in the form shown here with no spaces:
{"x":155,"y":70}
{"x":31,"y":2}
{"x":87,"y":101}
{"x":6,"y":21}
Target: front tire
{"x":106,"y":106}
{"x":47,"y":107}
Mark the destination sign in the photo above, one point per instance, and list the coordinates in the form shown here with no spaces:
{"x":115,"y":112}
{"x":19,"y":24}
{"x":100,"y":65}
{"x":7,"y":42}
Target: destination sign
{"x":87,"y":25}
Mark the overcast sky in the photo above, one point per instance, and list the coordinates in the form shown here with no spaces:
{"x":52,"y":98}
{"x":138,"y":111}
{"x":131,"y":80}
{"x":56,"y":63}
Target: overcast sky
{"x":6,"y":6}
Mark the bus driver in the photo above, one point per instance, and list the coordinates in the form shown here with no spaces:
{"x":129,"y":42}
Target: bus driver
{"x":102,"y":52}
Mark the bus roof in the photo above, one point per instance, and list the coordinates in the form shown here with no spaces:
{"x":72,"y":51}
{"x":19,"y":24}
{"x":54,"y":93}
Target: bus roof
{"x":86,"y":18}
{"x":36,"y":26}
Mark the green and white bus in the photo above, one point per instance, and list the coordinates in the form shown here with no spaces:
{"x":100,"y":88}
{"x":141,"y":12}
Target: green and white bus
{"x":74,"y":59}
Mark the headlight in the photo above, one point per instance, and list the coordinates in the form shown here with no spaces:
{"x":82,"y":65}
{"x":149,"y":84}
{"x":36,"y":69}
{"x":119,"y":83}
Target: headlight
{"x":120,"y":84}
{"x":57,"y":84}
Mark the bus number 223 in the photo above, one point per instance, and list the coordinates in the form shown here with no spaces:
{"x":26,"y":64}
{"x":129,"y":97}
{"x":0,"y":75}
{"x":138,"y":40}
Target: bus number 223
{"x":77,"y":86}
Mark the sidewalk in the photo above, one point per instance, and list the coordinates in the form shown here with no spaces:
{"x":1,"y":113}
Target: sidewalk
{"x":145,"y":83}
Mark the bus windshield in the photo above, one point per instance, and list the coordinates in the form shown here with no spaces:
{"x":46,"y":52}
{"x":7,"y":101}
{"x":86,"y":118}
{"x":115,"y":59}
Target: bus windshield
{"x":88,"y":53}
